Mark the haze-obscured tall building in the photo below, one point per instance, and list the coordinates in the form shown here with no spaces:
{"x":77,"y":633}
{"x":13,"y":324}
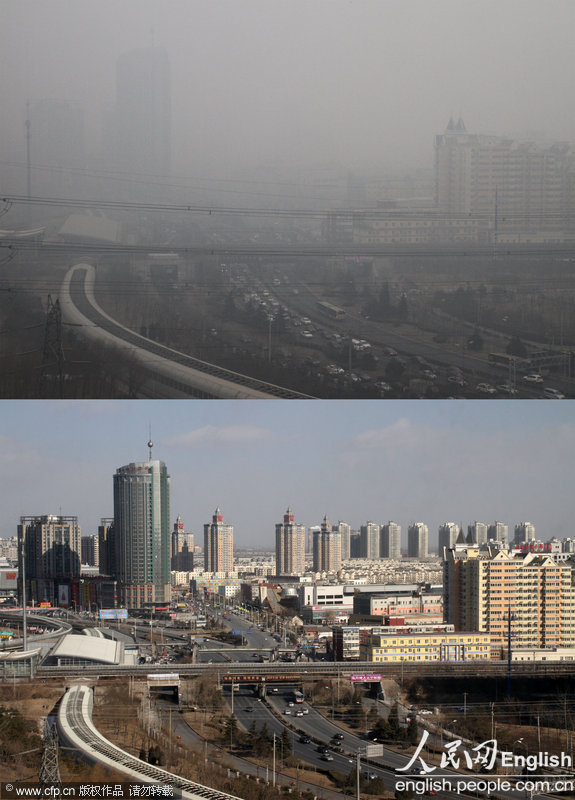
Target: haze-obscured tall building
{"x":390,"y":538}
{"x":142,"y":532}
{"x":290,"y":546}
{"x":57,"y":147}
{"x":218,"y":544}
{"x":52,"y":549}
{"x":418,"y":540}
{"x":531,"y":184}
{"x":139,"y":127}
{"x":182,"y":549}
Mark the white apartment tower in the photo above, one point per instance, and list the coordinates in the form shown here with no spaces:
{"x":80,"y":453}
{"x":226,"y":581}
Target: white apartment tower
{"x":448,"y":533}
{"x":390,"y":540}
{"x":418,"y":540}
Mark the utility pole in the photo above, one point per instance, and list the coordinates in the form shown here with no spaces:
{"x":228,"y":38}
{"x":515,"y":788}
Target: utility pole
{"x":53,"y":353}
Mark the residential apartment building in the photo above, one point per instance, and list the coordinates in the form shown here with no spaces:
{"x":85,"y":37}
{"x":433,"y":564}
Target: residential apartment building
{"x":494,"y":591}
{"x":369,"y":540}
{"x":182,"y":548}
{"x":447,"y":536}
{"x":390,"y":540}
{"x":52,"y":555}
{"x":218,"y":544}
{"x":344,"y":531}
{"x":524,"y":532}
{"x":523,"y":191}
{"x":290,"y":546}
{"x":326,"y":549}
{"x":418,"y":540}
{"x":393,"y":646}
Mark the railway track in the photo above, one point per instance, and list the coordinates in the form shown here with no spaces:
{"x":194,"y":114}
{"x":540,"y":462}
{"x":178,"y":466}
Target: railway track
{"x":77,"y":730}
{"x":177,"y":373}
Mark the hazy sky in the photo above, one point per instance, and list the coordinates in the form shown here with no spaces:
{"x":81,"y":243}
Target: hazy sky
{"x":429,"y":461}
{"x":360,"y":83}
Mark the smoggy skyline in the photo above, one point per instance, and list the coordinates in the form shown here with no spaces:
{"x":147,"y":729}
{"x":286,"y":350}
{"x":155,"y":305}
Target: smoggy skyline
{"x":432,"y":461}
{"x":295,"y":89}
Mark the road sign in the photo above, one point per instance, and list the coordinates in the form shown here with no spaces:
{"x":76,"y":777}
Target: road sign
{"x":236,"y":633}
{"x":374,"y":750}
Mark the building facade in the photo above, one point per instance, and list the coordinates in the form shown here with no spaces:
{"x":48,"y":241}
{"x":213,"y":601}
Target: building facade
{"x":418,"y":540}
{"x":527,"y":595}
{"x":142,"y":533}
{"x":326,"y":549}
{"x":290,"y":546}
{"x":369,"y":540}
{"x":52,"y":555}
{"x":182,"y":548}
{"x":390,"y":540}
{"x":218,"y":544}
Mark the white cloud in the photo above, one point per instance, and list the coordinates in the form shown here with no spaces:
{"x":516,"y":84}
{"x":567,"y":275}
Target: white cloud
{"x":229,"y":435}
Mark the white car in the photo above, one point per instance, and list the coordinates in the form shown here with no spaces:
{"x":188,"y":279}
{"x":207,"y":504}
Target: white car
{"x":533,"y":377}
{"x":307,"y":335}
{"x":485,"y":388}
{"x":553,"y":394}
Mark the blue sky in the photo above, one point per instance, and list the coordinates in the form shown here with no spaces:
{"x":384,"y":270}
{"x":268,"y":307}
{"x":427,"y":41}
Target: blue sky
{"x":432,"y":461}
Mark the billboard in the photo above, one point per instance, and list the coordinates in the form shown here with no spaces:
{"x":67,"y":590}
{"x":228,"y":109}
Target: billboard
{"x":366,"y":677}
{"x":113,"y":613}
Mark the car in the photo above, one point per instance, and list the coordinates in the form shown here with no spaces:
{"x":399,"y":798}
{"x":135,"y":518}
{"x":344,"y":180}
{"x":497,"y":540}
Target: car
{"x":326,"y":757}
{"x":553,"y":394}
{"x":533,"y":377}
{"x":321,"y":748}
{"x":339,"y":736}
{"x":369,"y":776}
{"x":304,"y":739}
{"x":485,"y":388}
{"x":506,"y":388}
{"x":305,"y":711}
{"x":291,"y":705}
{"x":249,"y":708}
{"x":307,"y":334}
{"x":425,"y":711}
{"x":287,"y":711}
{"x":299,"y":713}
{"x":456,"y":379}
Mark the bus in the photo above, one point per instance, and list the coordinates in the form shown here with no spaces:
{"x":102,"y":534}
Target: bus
{"x":297,"y":696}
{"x":507,"y":361}
{"x":332,"y":311}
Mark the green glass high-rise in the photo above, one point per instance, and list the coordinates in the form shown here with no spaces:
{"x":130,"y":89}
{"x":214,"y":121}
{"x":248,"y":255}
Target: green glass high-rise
{"x":142,"y":534}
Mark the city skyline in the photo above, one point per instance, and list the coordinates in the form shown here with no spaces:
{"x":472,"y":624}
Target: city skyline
{"x":400,"y":460}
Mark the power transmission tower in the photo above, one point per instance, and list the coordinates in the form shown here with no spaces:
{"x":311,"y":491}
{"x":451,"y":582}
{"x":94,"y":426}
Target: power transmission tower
{"x":53,"y":353}
{"x":50,"y":770}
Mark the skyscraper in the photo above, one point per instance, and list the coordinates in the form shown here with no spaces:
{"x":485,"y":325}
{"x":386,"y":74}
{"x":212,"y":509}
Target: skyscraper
{"x":141,"y":532}
{"x":182,"y":550}
{"x":52,"y":549}
{"x":524,"y":532}
{"x":139,"y":126}
{"x":417,"y":540}
{"x":326,"y":549}
{"x":218,"y":544}
{"x":390,"y":540}
{"x":448,"y":533}
{"x":369,"y":540}
{"x":498,"y":532}
{"x":290,"y":546}
{"x":477,"y":533}
{"x":344,"y":531}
